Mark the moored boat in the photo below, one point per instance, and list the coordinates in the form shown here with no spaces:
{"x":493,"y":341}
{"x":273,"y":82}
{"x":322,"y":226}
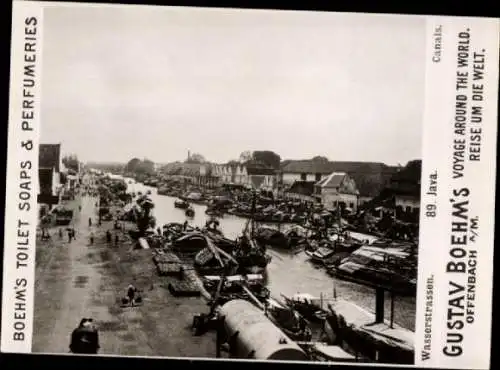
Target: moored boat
{"x":288,"y":320}
{"x":182,"y":204}
{"x":194,"y":197}
{"x":266,"y":236}
{"x":236,"y":287}
{"x":393,"y":267}
{"x":320,"y":255}
{"x":308,"y":306}
{"x":251,"y":258}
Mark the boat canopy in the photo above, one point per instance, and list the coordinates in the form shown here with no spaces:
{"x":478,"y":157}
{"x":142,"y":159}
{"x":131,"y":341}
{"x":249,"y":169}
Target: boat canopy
{"x":251,"y":277}
{"x":234,"y":278}
{"x":323,"y":252}
{"x":379,"y":254}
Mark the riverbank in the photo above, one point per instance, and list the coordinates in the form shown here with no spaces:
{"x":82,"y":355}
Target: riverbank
{"x":76,"y":280}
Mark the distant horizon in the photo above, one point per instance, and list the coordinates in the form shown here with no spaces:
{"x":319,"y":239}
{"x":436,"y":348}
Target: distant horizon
{"x":223,"y":81}
{"x":212,"y":162}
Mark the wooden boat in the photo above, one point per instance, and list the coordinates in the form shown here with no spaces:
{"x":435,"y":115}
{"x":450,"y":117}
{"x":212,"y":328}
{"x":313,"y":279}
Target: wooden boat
{"x":308,"y":306}
{"x":222,"y":242}
{"x":253,"y":261}
{"x":266,"y":236}
{"x":288,"y":320}
{"x":377,"y":277}
{"x":194,"y":197}
{"x":214,"y":212}
{"x":320,"y":255}
{"x":390,"y":267}
{"x":190,"y":243}
{"x":189,"y":212}
{"x":182,"y":204}
{"x":233,"y":287}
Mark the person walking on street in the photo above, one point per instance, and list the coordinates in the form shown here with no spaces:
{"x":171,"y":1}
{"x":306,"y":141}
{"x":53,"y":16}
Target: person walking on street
{"x":90,"y":222}
{"x":108,"y":237}
{"x":131,"y":292}
{"x":117,"y":239}
{"x":91,"y":238}
{"x":60,"y":233}
{"x":69,"y":236}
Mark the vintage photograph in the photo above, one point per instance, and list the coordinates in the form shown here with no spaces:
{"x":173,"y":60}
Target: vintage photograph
{"x":222,"y":183}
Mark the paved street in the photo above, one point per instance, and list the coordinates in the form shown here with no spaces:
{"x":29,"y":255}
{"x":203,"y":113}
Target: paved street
{"x":76,"y":280}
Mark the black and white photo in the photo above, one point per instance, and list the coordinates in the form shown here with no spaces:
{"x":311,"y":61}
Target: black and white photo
{"x":248,"y":184}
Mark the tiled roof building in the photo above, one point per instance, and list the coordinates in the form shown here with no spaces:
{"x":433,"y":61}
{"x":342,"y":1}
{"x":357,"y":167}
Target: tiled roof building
{"x":370,"y":177}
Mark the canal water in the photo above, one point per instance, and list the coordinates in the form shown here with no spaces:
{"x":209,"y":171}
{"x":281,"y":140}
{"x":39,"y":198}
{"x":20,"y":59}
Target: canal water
{"x":288,"y":273}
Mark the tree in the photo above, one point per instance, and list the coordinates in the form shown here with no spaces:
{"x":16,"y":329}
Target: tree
{"x":246,"y":156}
{"x":145,"y":167}
{"x":131,"y":166}
{"x":267,"y":158}
{"x":196,"y":158}
{"x":71,"y":162}
{"x":140,"y":167}
{"x":320,"y":159}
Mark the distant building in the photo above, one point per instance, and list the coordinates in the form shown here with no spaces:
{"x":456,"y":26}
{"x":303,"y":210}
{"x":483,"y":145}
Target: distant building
{"x":261,"y":178}
{"x":403,"y":192}
{"x":207,"y":177}
{"x":50,"y":176}
{"x":370,"y":177}
{"x":255,"y":176}
{"x":226,"y":173}
{"x":337,"y":189}
{"x":189,"y":172}
{"x":303,"y":170}
{"x":405,"y":186}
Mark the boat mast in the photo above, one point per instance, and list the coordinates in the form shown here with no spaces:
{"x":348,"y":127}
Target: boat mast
{"x":339,"y":221}
{"x":254,"y":206}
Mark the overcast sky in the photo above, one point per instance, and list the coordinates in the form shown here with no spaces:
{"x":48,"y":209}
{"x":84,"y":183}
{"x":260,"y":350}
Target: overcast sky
{"x":122,"y":82}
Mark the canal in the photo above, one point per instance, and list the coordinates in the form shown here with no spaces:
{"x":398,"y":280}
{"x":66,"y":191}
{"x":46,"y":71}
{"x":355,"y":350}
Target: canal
{"x":288,"y":273}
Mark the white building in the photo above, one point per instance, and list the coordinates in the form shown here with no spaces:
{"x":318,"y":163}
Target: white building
{"x":337,"y":188}
{"x":306,"y":170}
